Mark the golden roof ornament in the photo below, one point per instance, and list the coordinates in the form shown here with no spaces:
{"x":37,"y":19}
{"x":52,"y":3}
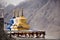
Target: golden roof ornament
{"x":21,"y":22}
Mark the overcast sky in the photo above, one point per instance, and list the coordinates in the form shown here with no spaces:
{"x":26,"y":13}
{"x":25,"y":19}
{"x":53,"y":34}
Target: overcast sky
{"x":14,"y":2}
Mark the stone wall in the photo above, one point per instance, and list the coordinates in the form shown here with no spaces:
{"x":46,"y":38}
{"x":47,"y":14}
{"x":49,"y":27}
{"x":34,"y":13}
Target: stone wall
{"x":3,"y":35}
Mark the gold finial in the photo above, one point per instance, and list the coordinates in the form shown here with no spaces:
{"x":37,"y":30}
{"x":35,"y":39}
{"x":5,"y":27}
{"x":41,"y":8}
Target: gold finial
{"x":22,"y":12}
{"x":13,"y":13}
{"x":17,"y":13}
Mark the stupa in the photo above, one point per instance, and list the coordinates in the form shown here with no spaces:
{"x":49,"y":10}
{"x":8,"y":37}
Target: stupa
{"x":20,"y":23}
{"x":20,"y":28}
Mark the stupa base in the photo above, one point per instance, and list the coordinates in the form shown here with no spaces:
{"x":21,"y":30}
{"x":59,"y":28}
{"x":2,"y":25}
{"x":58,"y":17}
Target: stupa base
{"x":26,"y":33}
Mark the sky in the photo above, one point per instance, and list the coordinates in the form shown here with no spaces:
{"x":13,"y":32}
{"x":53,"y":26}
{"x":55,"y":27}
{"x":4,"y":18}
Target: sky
{"x":14,"y":2}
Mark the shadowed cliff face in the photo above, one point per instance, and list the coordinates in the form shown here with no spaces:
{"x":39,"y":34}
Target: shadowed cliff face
{"x":43,"y":15}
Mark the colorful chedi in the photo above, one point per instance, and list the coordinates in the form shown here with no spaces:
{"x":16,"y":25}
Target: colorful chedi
{"x":18,"y":23}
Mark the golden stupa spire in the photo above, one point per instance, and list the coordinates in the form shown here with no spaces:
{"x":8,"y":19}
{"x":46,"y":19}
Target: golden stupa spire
{"x":13,"y":13}
{"x":22,"y":12}
{"x":17,"y":13}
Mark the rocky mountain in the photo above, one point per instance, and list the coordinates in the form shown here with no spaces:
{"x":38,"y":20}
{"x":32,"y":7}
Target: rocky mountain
{"x":42,"y":15}
{"x":8,"y":10}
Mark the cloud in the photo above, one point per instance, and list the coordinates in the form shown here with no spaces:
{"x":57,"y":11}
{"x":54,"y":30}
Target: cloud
{"x":14,"y":2}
